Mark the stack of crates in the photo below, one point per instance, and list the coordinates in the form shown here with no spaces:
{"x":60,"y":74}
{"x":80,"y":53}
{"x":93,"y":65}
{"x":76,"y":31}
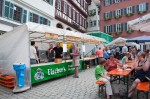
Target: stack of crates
{"x":7,"y":81}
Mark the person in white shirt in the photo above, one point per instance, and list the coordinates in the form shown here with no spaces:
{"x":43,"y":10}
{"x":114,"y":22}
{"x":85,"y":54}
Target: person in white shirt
{"x":124,"y":49}
{"x":33,"y":54}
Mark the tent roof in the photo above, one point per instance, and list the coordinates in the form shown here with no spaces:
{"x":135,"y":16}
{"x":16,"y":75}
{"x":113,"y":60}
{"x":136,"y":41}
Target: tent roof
{"x":141,"y":23}
{"x":37,"y":33}
{"x":117,"y":40}
{"x":140,"y":39}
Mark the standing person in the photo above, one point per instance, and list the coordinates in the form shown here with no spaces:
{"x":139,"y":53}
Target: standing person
{"x":51,"y":53}
{"x":33,"y":54}
{"x":133,"y":53}
{"x":117,"y":50}
{"x":58,"y":51}
{"x":37,"y":50}
{"x":106,"y":55}
{"x":99,"y":54}
{"x":124,"y":50}
{"x":76,"y":59}
{"x":101,"y":75}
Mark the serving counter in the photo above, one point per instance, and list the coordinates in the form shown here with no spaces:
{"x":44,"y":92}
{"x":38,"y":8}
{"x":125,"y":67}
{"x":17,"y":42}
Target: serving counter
{"x":46,"y":71}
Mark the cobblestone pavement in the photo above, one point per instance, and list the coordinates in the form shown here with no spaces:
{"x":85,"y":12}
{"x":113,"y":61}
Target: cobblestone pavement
{"x":62,"y":88}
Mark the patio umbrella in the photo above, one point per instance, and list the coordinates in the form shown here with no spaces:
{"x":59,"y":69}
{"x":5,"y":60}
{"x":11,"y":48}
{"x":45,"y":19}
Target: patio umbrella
{"x":140,"y":39}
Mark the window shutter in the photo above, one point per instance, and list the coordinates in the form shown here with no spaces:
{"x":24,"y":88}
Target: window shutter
{"x":104,"y":3}
{"x":113,"y":1}
{"x":122,"y":27}
{"x":110,"y":2}
{"x":126,"y":26}
{"x":24,"y":16}
{"x":121,"y":12}
{"x":104,"y":29}
{"x":147,"y":9}
{"x":114,"y":27}
{"x":83,"y":3}
{"x":133,"y":9}
{"x":11,"y":9}
{"x":75,"y":16}
{"x":120,"y":0}
{"x":31,"y":17}
{"x":62,"y":6}
{"x":137,"y":7}
{"x":114,"y":13}
{"x":111,"y":14}
{"x":111,"y":30}
{"x":125,"y":11}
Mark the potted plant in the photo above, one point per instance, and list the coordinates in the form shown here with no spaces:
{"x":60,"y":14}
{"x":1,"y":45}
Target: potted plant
{"x":129,"y":14}
{"x":118,"y":16}
{"x":130,"y":31}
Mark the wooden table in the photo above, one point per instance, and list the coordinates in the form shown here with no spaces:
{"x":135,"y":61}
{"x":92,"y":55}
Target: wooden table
{"x":124,"y":73}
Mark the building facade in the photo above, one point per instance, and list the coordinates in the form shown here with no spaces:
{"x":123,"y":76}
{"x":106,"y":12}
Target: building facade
{"x":93,"y":20}
{"x":17,"y":12}
{"x":71,"y":14}
{"x":115,"y":14}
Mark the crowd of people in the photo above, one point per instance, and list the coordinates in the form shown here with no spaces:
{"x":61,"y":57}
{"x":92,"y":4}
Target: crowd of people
{"x":110,"y":58}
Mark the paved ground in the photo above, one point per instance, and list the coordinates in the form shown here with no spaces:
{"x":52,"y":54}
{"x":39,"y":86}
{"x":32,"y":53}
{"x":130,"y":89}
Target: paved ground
{"x":62,"y":88}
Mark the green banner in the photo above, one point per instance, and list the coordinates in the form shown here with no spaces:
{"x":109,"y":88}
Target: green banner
{"x":46,"y":72}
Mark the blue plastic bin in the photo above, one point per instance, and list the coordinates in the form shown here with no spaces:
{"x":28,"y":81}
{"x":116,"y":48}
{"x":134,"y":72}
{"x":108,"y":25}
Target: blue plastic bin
{"x":19,"y":68}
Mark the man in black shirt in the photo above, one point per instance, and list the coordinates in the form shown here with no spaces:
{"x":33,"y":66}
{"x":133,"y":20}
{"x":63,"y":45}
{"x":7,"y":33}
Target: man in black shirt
{"x":58,"y":51}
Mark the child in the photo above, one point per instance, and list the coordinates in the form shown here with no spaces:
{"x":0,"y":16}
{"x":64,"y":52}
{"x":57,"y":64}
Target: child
{"x":101,"y":75}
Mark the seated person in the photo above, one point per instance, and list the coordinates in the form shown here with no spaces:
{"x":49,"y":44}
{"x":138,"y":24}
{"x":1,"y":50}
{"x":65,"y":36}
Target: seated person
{"x":142,"y":72}
{"x":101,"y":75}
{"x":112,"y":63}
{"x":127,"y":58}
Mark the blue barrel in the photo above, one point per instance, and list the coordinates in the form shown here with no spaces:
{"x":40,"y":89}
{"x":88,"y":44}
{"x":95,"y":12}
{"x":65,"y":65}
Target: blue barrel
{"x":19,"y":68}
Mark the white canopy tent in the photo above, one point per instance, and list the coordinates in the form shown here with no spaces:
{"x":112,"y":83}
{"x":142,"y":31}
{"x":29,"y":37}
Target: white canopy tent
{"x":141,"y":23}
{"x":14,"y":46}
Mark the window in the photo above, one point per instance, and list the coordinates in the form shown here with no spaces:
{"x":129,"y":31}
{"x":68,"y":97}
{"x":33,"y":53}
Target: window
{"x":49,"y":23}
{"x":129,"y":10}
{"x":70,"y":12}
{"x":14,"y":12}
{"x":80,"y":20}
{"x":59,"y":5}
{"x":107,"y":2}
{"x":77,"y":17}
{"x":9,"y":10}
{"x":83,"y":22}
{"x":49,"y":1}
{"x":94,"y":23}
{"x":108,"y":15}
{"x":35,"y":18}
{"x":1,"y":6}
{"x":118,"y":27}
{"x":74,"y":16}
{"x":45,"y":21}
{"x":108,"y":29}
{"x":117,"y":1}
{"x":92,"y":12}
{"x":118,"y":13}
{"x":17,"y":13}
{"x":142,"y":7}
{"x":91,"y":24}
{"x":41,"y":20}
{"x":87,"y":25}
{"x":65,"y":8}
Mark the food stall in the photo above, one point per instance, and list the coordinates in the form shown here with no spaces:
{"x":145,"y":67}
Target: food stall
{"x":18,"y":52}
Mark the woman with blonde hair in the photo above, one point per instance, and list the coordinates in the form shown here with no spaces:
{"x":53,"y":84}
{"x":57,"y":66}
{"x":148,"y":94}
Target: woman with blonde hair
{"x":142,"y":69}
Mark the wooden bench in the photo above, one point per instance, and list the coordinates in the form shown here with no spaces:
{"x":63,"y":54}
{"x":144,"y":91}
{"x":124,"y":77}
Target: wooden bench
{"x":101,"y":84}
{"x":143,"y":87}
